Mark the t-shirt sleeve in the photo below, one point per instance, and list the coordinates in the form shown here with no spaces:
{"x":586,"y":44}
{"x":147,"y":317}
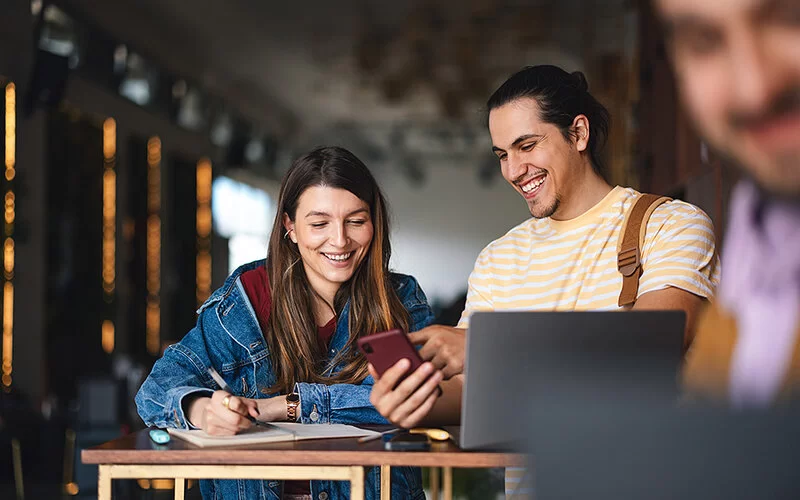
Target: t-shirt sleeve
{"x":679,"y":251}
{"x":479,"y":288}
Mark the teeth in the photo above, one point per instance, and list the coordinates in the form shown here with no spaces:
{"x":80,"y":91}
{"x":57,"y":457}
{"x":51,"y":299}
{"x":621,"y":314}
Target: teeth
{"x":527,"y":188}
{"x":338,"y":257}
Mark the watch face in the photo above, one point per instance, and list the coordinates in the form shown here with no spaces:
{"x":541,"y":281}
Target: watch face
{"x":293,"y":398}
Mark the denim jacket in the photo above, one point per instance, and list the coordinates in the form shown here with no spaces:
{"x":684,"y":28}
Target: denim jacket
{"x":228,"y":337}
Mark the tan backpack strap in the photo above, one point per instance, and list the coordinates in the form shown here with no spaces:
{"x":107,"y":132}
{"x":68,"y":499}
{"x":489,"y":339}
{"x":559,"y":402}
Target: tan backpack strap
{"x":629,"y":247}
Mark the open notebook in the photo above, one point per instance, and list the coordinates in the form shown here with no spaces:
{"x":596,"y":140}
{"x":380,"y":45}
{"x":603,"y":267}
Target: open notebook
{"x":279,"y":432}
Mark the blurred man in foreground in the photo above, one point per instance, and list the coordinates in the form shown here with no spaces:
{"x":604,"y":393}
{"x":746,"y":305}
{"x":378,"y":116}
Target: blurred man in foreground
{"x":738,"y":69}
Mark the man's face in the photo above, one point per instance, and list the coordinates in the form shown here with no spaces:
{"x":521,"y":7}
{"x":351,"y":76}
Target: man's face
{"x":535,"y":158}
{"x":738,"y":69}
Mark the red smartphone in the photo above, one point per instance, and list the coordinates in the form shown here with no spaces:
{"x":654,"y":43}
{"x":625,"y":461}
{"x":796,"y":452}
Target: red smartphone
{"x":385,"y":349}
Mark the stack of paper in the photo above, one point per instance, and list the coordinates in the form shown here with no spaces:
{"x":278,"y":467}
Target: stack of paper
{"x":279,"y":432}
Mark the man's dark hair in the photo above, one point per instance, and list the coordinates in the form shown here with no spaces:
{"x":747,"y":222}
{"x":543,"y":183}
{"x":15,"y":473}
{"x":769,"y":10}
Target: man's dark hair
{"x":561,"y":97}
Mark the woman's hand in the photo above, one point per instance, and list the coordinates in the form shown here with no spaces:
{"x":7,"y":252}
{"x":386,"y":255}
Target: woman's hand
{"x":222,"y":414}
{"x":273,"y":409}
{"x":405,"y":404}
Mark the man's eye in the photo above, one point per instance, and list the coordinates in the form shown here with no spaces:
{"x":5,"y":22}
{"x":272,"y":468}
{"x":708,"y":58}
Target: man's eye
{"x":699,"y":43}
{"x":528,"y":147}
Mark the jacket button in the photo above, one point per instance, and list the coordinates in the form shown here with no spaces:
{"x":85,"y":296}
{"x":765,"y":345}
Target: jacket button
{"x":323,"y":495}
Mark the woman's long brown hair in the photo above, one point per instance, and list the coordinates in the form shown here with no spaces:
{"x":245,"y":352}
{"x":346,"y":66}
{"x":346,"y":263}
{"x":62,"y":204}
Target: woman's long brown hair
{"x":292,"y":333}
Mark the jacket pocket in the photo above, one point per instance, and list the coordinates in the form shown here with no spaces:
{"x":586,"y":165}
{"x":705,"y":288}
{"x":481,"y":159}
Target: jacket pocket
{"x":251,"y":375}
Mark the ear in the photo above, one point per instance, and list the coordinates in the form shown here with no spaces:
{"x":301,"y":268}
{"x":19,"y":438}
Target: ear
{"x":580,"y":127}
{"x":288,"y":226}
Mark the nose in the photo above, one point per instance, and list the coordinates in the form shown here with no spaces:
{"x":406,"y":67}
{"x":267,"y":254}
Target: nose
{"x":339,"y":237}
{"x":515,"y":167}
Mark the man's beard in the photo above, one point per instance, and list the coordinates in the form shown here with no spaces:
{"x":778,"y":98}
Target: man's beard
{"x":781,"y":177}
{"x":546,"y":211}
{"x":789,"y":162}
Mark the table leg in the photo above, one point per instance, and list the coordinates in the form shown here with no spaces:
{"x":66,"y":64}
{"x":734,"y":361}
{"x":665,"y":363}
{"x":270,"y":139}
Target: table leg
{"x":357,"y":483}
{"x":180,"y":488}
{"x":433,"y":475}
{"x":103,"y":482}
{"x":386,"y":482}
{"x":447,"y":479}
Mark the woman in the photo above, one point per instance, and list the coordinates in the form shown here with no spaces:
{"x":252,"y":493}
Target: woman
{"x":282,"y":332}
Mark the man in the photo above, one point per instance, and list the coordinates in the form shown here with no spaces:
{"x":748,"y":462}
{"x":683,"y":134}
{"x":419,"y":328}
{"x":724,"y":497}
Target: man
{"x":737,"y":64}
{"x":548,"y":132}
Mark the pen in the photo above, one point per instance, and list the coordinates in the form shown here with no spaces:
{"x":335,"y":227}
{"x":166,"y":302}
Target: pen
{"x":367,"y":439}
{"x":225,"y":387}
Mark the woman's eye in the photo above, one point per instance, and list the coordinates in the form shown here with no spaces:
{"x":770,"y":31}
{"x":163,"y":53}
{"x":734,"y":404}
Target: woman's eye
{"x":358,"y":222}
{"x":318,"y":224}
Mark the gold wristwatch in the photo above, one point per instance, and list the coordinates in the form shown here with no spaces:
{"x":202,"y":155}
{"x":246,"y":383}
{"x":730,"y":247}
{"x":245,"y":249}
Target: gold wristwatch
{"x":292,"y":403}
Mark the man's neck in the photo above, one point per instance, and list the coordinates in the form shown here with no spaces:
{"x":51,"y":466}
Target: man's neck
{"x":588,"y":192}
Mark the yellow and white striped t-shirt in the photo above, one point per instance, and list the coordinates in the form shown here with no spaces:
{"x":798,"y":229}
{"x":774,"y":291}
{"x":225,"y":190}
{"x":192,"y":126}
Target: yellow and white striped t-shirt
{"x":544,"y":264}
{"x":571,"y":265}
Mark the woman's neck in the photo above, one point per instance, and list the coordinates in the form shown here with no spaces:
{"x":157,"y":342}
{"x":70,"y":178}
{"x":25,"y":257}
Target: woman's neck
{"x":324,"y":297}
{"x":323,"y":312}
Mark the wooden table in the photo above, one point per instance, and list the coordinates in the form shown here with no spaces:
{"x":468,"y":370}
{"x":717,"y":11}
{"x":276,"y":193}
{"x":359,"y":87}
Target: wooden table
{"x":134,"y":456}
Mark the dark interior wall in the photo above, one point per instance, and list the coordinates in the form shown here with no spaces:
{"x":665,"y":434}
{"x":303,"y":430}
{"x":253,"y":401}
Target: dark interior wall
{"x":180,"y":187}
{"x":75,"y":305}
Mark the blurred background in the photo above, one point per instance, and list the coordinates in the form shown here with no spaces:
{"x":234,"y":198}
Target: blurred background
{"x":144,"y":142}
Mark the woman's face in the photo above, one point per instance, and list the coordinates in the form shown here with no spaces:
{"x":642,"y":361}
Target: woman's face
{"x":333,"y":231}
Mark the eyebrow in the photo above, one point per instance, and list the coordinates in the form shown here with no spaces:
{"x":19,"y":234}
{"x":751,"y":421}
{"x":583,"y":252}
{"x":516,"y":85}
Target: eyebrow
{"x":519,"y":140}
{"x":316,"y":213}
{"x":684,"y":22}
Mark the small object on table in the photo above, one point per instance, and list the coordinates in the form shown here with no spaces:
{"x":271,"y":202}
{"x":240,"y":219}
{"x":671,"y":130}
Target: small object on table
{"x":159,"y":436}
{"x":406,"y":441}
{"x":367,"y":439}
{"x":433,"y":434}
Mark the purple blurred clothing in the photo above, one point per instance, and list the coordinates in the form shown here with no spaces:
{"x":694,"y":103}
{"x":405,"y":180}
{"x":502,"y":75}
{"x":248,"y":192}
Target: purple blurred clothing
{"x":760,"y":286}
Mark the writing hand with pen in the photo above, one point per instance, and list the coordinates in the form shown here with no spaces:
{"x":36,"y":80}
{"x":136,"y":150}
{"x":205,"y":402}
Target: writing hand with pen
{"x":224,"y":414}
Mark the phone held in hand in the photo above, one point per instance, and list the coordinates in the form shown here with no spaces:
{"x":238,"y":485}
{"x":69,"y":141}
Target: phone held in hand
{"x":385,"y":349}
{"x":408,"y":442}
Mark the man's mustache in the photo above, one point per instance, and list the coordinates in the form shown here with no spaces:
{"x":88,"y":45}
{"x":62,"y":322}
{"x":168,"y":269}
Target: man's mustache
{"x":785,"y":103}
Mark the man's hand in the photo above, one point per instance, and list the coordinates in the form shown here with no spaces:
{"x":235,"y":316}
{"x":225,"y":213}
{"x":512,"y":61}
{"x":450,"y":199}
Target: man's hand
{"x":443,"y":346}
{"x":222,"y":414}
{"x":406,"y":403}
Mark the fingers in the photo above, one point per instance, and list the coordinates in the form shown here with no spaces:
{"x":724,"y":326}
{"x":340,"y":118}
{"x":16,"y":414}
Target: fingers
{"x":250,"y":407}
{"x":445,"y":350}
{"x":397,"y":403}
{"x":224,"y":415}
{"x":428,"y":351}
{"x":417,"y":415}
{"x":390,"y":377}
{"x":449,"y":362}
{"x":421,"y":336}
{"x":240,"y":406}
{"x":409,"y":413}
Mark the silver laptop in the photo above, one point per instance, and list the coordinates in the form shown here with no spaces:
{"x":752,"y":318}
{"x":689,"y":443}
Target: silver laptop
{"x":521,"y":365}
